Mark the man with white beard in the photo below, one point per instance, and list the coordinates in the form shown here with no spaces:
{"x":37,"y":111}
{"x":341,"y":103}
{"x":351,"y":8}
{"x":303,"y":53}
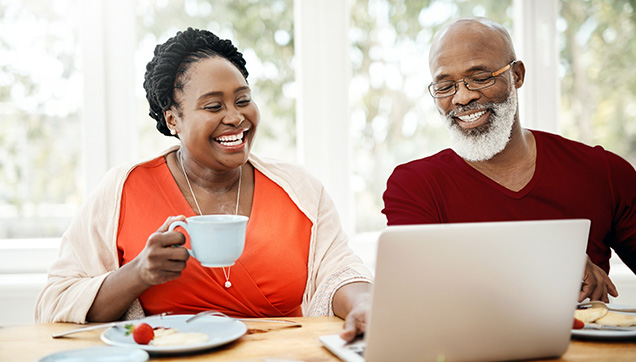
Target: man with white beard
{"x":498,"y":171}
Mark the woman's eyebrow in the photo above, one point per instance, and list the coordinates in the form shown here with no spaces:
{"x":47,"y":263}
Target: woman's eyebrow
{"x":241,"y":89}
{"x":209,"y":94}
{"x":219,"y":93}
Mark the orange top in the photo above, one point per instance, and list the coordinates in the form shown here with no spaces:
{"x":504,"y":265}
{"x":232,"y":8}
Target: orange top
{"x":269,"y":278}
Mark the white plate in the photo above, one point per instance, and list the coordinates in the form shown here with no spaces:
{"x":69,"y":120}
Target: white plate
{"x":99,"y":354}
{"x":602,"y":334}
{"x":220,"y":330}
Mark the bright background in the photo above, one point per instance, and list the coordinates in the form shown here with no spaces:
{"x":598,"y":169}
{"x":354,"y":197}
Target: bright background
{"x":341,"y":86}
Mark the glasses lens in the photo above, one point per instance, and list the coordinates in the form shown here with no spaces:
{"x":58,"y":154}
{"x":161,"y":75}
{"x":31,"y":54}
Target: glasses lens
{"x":480,"y":80}
{"x":442,"y":89}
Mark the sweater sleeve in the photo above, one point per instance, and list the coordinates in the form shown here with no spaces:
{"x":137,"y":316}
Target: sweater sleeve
{"x":335,"y":263}
{"x":623,"y":190}
{"x":408,"y":200}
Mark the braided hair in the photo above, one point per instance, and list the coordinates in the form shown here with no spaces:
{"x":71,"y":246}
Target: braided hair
{"x":164,"y":73}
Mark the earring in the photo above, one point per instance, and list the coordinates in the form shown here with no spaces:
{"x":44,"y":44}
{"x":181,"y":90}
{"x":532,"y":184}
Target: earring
{"x":173,"y":131}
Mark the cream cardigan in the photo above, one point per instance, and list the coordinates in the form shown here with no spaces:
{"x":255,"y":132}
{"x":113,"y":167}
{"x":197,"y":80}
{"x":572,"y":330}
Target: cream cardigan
{"x":88,"y":252}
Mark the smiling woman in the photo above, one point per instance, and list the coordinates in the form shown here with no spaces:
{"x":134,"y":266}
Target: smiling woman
{"x":60,"y":58}
{"x":296,"y":259}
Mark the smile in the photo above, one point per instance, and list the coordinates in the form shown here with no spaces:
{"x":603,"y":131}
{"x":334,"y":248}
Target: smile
{"x":231,"y":140}
{"x":471,"y":117}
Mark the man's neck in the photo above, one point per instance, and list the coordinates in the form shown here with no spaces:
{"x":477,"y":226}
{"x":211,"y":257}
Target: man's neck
{"x":513,"y":167}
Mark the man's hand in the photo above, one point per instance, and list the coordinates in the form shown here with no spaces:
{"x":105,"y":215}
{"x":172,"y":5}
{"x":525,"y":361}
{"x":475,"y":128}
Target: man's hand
{"x":596,"y":284}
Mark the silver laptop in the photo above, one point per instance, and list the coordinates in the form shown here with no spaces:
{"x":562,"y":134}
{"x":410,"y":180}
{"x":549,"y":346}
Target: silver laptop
{"x":487,"y":291}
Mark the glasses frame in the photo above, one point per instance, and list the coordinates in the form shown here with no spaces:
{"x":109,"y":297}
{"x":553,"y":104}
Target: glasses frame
{"x":463,"y":80}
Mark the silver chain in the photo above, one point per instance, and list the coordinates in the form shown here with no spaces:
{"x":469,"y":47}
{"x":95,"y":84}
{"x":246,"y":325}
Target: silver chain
{"x":238,"y":198}
{"x":238,"y":192}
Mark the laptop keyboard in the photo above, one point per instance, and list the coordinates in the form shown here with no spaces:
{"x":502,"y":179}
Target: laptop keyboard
{"x":357,"y":348}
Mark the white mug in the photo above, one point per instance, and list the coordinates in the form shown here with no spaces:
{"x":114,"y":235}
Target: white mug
{"x":216,"y":240}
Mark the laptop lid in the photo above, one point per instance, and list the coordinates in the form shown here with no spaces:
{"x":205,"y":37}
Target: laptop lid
{"x":476,"y":291}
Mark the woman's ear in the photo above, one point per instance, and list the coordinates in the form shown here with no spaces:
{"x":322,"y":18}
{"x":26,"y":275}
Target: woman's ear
{"x":171,"y":121}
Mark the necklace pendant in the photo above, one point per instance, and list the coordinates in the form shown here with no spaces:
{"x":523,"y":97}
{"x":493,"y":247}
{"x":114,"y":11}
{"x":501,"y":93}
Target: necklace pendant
{"x":228,"y":284}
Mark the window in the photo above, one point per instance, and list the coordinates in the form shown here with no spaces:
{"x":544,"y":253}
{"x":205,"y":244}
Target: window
{"x":73,"y":105}
{"x":41,"y":96}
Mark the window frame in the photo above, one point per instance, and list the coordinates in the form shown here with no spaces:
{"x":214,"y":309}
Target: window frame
{"x":536,"y":44}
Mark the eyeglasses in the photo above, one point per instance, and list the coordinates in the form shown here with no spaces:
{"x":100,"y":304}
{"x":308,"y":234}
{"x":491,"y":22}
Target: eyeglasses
{"x":481,"y":80}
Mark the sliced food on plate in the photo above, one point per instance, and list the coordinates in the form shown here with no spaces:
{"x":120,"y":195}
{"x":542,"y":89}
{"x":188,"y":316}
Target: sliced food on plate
{"x":172,"y":337}
{"x":591,"y":314}
{"x":602,"y":316}
{"x":617,"y":319}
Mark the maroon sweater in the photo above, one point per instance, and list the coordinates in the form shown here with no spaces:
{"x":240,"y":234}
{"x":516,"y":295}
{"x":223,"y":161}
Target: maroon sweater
{"x":571,"y":180}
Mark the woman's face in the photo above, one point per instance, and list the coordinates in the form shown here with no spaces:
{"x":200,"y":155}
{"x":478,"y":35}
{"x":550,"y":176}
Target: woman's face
{"x":217,"y":118}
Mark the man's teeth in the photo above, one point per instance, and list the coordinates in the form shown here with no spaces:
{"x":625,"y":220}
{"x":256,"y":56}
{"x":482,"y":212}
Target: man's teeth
{"x":472,"y":117}
{"x":231,"y":140}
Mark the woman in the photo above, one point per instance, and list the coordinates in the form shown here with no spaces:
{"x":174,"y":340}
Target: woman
{"x":118,"y":259}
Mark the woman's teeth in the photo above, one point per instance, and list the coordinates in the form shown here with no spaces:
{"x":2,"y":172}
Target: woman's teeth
{"x":231,"y":140}
{"x":472,"y":117}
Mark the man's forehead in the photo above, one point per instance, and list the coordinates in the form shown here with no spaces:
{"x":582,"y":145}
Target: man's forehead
{"x":467,"y":45}
{"x":462,"y":57}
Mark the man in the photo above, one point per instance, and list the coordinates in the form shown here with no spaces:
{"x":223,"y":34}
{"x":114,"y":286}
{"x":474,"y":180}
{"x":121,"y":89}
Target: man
{"x":498,"y":170}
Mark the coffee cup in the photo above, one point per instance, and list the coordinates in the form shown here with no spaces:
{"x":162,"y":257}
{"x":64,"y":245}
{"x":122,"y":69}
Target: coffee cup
{"x":216,"y":240}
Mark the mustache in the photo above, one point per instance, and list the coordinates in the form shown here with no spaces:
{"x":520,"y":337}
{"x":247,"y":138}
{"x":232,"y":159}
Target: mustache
{"x":470,"y":107}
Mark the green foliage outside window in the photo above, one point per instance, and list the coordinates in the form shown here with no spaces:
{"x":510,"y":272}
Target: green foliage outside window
{"x":598,"y":82}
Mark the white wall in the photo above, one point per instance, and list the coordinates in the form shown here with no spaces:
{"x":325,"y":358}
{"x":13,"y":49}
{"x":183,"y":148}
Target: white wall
{"x":22,"y":276}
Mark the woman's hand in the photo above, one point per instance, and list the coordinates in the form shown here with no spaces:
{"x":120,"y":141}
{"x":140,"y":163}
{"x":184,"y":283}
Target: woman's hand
{"x":352,"y":302}
{"x":162,"y":259}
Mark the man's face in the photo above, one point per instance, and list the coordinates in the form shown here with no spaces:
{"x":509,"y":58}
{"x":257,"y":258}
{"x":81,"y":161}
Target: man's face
{"x":480,"y":121}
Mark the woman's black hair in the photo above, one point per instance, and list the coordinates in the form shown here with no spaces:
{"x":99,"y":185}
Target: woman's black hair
{"x":173,"y":58}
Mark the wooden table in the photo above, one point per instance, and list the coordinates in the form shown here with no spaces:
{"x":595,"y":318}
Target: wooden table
{"x":263,"y":342}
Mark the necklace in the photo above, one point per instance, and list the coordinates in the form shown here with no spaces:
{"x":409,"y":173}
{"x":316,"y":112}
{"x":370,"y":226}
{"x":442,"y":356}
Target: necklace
{"x":238,"y":198}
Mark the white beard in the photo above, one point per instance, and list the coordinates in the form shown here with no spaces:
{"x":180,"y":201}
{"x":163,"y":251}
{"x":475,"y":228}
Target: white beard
{"x":486,"y":141}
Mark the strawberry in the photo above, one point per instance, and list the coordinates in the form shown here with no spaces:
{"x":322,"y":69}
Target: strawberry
{"x":142,"y":333}
{"x":578,"y":324}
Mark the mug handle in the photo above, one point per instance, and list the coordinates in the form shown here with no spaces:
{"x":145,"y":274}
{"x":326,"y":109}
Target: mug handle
{"x":174,"y":224}
{"x":184,"y":225}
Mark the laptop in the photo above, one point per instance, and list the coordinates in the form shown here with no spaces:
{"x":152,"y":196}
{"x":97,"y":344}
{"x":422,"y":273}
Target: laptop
{"x":488,"y":291}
